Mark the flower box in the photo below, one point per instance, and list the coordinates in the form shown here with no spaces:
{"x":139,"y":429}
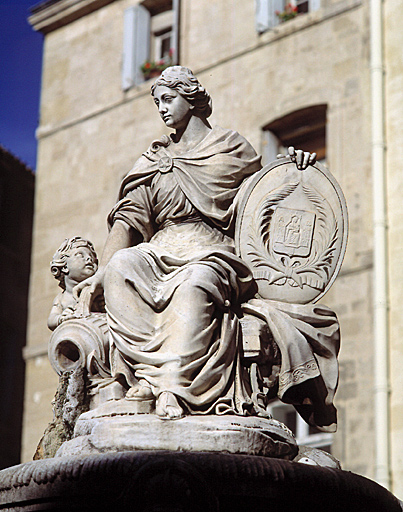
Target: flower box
{"x":290,"y":12}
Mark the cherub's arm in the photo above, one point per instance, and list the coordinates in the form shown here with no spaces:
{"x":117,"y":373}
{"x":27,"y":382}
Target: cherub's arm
{"x":55,"y":313}
{"x":60,"y":313}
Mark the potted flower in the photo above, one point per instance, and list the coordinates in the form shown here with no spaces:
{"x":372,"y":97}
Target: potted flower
{"x":152,"y":69}
{"x":290,"y":12}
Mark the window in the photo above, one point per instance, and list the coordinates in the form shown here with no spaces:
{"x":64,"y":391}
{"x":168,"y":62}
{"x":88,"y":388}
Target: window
{"x":162,"y":35}
{"x":265,"y":13}
{"x":304,"y":129}
{"x":305,"y":434}
{"x":150,"y":33}
{"x":302,"y":6}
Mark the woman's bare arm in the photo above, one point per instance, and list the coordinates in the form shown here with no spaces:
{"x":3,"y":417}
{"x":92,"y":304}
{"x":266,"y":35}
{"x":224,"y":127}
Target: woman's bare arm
{"x":120,"y":237}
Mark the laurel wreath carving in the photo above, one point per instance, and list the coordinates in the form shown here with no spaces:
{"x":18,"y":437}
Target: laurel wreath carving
{"x":314,"y":270}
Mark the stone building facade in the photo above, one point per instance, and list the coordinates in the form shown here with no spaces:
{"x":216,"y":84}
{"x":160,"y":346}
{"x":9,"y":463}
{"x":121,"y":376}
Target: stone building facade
{"x":307,"y":81}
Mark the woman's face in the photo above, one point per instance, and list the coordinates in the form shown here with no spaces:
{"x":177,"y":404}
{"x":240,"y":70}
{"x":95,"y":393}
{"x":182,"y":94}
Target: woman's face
{"x":174,"y":109}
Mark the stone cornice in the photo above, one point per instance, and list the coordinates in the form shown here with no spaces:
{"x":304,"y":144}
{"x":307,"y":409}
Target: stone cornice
{"x":50,"y":15}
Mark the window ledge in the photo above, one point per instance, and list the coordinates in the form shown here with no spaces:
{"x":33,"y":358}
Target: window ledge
{"x":316,"y":440}
{"x":306,"y":20}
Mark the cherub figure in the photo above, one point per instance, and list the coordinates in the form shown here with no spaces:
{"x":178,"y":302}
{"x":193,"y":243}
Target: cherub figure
{"x":74,"y":261}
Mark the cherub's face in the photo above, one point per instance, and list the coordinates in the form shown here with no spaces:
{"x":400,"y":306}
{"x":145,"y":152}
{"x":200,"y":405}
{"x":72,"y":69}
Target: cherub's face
{"x":80,"y":264}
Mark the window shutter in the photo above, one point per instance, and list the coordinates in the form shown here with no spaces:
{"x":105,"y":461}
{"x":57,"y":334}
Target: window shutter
{"x":278,"y":6}
{"x":265,"y":14}
{"x":271,"y":147}
{"x":262,"y":15}
{"x":136,"y":44}
{"x":175,"y":30}
{"x":314,"y":5}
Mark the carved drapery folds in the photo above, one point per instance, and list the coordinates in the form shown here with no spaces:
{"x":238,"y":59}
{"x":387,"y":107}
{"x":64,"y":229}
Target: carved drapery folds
{"x":291,"y":230}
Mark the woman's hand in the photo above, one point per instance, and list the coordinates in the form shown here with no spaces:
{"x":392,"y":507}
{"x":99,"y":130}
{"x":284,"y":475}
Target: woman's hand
{"x":301,"y":158}
{"x":85,"y":292}
{"x":120,"y":237}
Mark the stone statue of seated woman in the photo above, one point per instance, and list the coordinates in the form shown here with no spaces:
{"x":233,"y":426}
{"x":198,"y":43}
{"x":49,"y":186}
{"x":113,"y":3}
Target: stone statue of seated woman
{"x":210,"y":269}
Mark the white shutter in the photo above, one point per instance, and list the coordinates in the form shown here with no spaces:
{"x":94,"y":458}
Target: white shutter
{"x":262,"y":15}
{"x":314,"y":5}
{"x":265,"y":14}
{"x":271,"y":147}
{"x":136,"y":44}
{"x":278,"y":6}
{"x":175,"y":30}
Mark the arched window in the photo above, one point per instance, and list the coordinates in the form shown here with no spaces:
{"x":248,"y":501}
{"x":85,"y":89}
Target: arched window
{"x":304,"y":129}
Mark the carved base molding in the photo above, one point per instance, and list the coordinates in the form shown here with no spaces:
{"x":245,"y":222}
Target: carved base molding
{"x":197,"y":482}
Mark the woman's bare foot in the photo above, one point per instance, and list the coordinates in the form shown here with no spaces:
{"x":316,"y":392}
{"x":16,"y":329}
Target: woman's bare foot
{"x":167,"y":406}
{"x":140,"y":391}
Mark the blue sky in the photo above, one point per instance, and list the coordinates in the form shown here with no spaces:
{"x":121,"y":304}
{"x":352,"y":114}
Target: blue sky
{"x":20,"y":76}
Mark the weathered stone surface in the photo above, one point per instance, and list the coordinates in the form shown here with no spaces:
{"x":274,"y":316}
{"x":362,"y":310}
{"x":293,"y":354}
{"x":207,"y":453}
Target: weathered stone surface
{"x":394,"y":127}
{"x":116,"y":426}
{"x":70,"y":401}
{"x":292,"y":231}
{"x":202,"y":482}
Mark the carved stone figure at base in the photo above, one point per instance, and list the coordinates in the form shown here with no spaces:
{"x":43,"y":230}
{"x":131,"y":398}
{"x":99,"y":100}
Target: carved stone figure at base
{"x":74,"y":261}
{"x":80,"y":337}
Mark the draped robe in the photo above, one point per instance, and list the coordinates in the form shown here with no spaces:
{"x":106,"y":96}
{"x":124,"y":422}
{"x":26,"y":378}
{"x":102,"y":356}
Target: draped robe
{"x":170,"y":300}
{"x":173,"y":300}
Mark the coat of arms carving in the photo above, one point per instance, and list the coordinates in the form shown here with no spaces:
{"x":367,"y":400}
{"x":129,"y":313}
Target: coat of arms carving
{"x":291,"y":230}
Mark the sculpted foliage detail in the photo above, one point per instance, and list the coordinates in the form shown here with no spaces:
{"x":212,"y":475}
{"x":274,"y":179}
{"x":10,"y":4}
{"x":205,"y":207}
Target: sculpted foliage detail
{"x":282,"y":244}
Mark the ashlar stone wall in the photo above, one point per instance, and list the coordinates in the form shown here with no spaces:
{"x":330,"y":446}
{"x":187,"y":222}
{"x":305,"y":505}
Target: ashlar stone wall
{"x":394,"y":138}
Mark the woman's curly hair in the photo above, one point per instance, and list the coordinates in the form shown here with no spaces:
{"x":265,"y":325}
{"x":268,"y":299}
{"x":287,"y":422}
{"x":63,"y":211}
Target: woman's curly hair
{"x":183,"y":80}
{"x":58,"y":263}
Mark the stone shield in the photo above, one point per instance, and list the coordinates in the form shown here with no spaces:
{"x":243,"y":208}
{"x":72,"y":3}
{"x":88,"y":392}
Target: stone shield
{"x":291,"y":230}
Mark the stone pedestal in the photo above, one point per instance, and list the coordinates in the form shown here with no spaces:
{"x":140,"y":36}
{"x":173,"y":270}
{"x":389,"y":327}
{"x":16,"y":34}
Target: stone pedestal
{"x":119,"y":425}
{"x":159,"y":481}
